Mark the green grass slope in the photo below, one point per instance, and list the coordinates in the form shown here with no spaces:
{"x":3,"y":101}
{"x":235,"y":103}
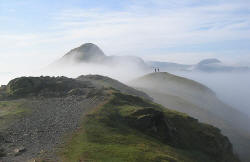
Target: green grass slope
{"x":128,"y":128}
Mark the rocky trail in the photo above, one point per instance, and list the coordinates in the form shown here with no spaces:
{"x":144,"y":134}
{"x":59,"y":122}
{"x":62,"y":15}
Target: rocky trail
{"x":38,"y":133}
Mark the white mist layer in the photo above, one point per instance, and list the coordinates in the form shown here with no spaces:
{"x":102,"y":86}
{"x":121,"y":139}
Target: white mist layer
{"x":122,"y":71}
{"x":232,"y":88}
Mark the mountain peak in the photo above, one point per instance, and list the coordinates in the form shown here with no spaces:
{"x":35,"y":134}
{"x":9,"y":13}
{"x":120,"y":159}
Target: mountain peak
{"x":85,"y":53}
{"x":88,"y":45}
{"x":209,"y":61}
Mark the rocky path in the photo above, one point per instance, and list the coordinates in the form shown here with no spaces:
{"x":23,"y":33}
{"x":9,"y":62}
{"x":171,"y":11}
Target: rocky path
{"x":38,"y":133}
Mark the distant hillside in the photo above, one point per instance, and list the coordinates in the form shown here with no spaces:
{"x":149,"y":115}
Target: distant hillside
{"x":87,"y":119}
{"x":209,"y":61}
{"x":169,"y":66}
{"x":90,"y":53}
{"x":199,"y":101}
{"x":206,"y":65}
{"x":215,"y":65}
{"x":171,"y":84}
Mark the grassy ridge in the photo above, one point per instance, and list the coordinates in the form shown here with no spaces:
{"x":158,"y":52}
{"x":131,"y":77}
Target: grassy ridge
{"x":114,"y":132}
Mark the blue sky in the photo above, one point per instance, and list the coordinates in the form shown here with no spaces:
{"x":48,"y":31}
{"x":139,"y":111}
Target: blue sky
{"x":33,"y":33}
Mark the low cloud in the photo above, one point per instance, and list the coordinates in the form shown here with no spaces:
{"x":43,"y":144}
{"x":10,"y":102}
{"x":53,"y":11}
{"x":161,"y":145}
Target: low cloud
{"x":232,"y":88}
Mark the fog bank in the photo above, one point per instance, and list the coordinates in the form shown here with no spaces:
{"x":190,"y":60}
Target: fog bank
{"x":123,"y":71}
{"x":232,"y":88}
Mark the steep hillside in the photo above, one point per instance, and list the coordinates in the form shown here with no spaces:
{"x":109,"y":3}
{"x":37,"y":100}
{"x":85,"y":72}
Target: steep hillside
{"x":63,"y":119}
{"x":198,"y":101}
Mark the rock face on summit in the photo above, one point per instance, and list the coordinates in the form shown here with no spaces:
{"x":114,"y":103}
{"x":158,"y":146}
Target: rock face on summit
{"x":88,"y":52}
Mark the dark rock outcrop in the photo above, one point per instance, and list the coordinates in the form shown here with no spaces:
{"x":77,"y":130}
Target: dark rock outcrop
{"x":153,"y":123}
{"x":183,"y":132}
{"x":46,"y":86}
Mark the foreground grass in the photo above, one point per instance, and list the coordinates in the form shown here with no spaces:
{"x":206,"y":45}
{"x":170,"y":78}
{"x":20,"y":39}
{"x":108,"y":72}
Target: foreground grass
{"x":104,"y":137}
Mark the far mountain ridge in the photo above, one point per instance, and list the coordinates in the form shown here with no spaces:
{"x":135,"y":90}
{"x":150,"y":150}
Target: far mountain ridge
{"x":91,"y":53}
{"x":209,"y":61}
{"x":215,"y":65}
{"x":206,"y":65}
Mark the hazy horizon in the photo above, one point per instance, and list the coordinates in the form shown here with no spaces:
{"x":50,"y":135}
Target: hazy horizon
{"x":35,"y":33}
